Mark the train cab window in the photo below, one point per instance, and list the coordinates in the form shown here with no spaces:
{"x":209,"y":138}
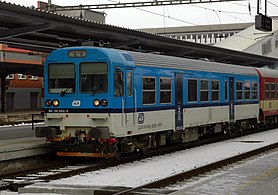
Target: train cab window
{"x":247,"y":90}
{"x":61,"y":78}
{"x":215,"y":90}
{"x":165,"y":90}
{"x":148,"y":90}
{"x":93,"y":77}
{"x":192,"y":90}
{"x":118,"y":83}
{"x":273,"y":91}
{"x":254,"y":90}
{"x":226,"y":90}
{"x":239,"y":90}
{"x":204,"y":90}
{"x":267,"y":90}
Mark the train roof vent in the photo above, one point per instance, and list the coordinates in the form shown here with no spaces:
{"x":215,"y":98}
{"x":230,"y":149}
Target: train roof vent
{"x":127,"y":57}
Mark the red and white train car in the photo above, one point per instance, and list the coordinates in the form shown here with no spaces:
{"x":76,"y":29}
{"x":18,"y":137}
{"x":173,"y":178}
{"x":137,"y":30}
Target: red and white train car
{"x":268,"y":95}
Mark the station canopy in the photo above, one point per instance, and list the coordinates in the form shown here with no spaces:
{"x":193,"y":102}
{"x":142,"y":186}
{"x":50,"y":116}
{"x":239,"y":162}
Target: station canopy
{"x":43,"y":31}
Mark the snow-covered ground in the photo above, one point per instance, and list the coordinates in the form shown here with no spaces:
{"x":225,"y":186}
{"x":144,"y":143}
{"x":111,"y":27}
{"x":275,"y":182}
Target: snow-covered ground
{"x":151,"y":169}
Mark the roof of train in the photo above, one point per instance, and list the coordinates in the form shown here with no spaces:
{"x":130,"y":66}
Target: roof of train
{"x":266,"y":72}
{"x":162,"y":61}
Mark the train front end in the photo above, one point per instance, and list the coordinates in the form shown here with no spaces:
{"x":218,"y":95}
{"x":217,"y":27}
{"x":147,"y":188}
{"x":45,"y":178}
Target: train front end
{"x":79,"y":102}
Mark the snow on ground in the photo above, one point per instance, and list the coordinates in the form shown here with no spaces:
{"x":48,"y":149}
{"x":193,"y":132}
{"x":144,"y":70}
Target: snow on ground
{"x":151,"y":169}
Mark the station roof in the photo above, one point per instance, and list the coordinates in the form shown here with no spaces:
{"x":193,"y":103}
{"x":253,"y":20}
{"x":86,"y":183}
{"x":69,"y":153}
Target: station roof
{"x":43,"y":31}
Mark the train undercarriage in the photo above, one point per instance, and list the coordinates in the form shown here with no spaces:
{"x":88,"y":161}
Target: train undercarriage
{"x":83,"y":145}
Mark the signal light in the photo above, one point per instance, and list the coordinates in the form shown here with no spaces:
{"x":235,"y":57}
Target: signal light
{"x":48,"y":102}
{"x":96,"y":102}
{"x":104,"y":102}
{"x":55,"y":103}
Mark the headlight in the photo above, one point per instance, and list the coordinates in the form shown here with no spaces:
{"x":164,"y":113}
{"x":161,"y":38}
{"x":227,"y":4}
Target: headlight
{"x":48,"y":102}
{"x":55,"y":103}
{"x":104,"y":102}
{"x":96,"y":102}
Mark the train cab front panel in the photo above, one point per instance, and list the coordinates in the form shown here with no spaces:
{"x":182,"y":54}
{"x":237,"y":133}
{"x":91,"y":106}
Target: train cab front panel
{"x":83,"y":101}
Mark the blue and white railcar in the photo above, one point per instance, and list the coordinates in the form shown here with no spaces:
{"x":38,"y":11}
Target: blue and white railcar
{"x":99,"y":102}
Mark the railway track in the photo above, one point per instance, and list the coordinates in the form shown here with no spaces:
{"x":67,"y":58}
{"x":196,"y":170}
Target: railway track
{"x":69,"y":168}
{"x":192,"y":173}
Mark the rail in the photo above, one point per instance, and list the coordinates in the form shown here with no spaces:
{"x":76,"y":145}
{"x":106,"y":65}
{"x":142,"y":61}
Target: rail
{"x":188,"y":174}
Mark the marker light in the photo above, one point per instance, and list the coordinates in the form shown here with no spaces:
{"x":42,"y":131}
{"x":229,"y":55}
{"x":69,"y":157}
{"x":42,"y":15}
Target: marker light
{"x":104,"y":102}
{"x":96,"y":102}
{"x":55,"y":103}
{"x":77,"y":54}
{"x":48,"y":102}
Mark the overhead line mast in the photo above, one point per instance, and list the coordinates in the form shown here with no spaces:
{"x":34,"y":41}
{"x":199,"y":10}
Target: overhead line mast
{"x":136,"y":4}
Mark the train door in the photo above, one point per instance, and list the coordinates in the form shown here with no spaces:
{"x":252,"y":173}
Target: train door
{"x":129,"y":99}
{"x":178,"y":101}
{"x":231,"y":101}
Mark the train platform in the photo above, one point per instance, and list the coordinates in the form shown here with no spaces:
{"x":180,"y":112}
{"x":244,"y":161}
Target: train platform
{"x":14,"y":147}
{"x":16,"y":117}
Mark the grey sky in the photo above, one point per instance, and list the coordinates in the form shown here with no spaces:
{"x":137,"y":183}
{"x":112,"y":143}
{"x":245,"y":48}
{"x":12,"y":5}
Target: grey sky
{"x":178,"y":15}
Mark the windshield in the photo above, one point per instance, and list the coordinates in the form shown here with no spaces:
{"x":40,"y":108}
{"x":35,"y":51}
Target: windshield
{"x":94,"y":77}
{"x":61,"y":78}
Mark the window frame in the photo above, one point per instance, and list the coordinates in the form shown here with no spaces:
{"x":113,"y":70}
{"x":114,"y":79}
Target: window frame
{"x":239,"y":90}
{"x":246,"y":90}
{"x":165,"y":90}
{"x":273,"y":96}
{"x":148,"y":90}
{"x":254,"y":91}
{"x":267,"y":91}
{"x":215,"y":90}
{"x":204,"y":90}
{"x":196,"y":80}
{"x":21,"y":76}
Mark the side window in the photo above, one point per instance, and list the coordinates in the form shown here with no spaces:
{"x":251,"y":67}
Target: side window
{"x":148,"y":90}
{"x":118,"y":83}
{"x":204,"y":90}
{"x":192,"y":90}
{"x":165,"y":90}
{"x":267,"y":90}
{"x":239,"y":90}
{"x":226,"y":90}
{"x":247,"y":90}
{"x":215,"y":90}
{"x":129,"y":83}
{"x":254,"y":90}
{"x":273,"y":91}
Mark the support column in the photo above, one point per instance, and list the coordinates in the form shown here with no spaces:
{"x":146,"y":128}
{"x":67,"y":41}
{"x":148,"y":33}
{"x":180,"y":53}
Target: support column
{"x":3,"y":93}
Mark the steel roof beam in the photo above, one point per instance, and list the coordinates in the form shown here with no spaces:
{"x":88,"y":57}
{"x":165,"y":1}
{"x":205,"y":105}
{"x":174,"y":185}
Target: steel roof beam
{"x":9,"y":33}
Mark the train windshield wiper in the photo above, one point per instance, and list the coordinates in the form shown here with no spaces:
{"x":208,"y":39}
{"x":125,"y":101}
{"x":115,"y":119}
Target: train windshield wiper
{"x":64,"y":92}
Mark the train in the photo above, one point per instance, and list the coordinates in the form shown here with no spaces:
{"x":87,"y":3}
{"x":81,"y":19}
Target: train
{"x":103,"y":102}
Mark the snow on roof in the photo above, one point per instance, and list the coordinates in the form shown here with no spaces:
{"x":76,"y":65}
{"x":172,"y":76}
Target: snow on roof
{"x":248,"y":37}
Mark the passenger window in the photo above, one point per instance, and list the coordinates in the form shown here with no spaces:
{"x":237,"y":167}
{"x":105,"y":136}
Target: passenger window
{"x":204,"y":90}
{"x":267,"y":91}
{"x":247,"y":90}
{"x":148,"y":90}
{"x":118,"y":83}
{"x":215,"y":90}
{"x":192,"y":90}
{"x":165,"y":90}
{"x":273,"y":91}
{"x":254,"y":90}
{"x":239,"y":90}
